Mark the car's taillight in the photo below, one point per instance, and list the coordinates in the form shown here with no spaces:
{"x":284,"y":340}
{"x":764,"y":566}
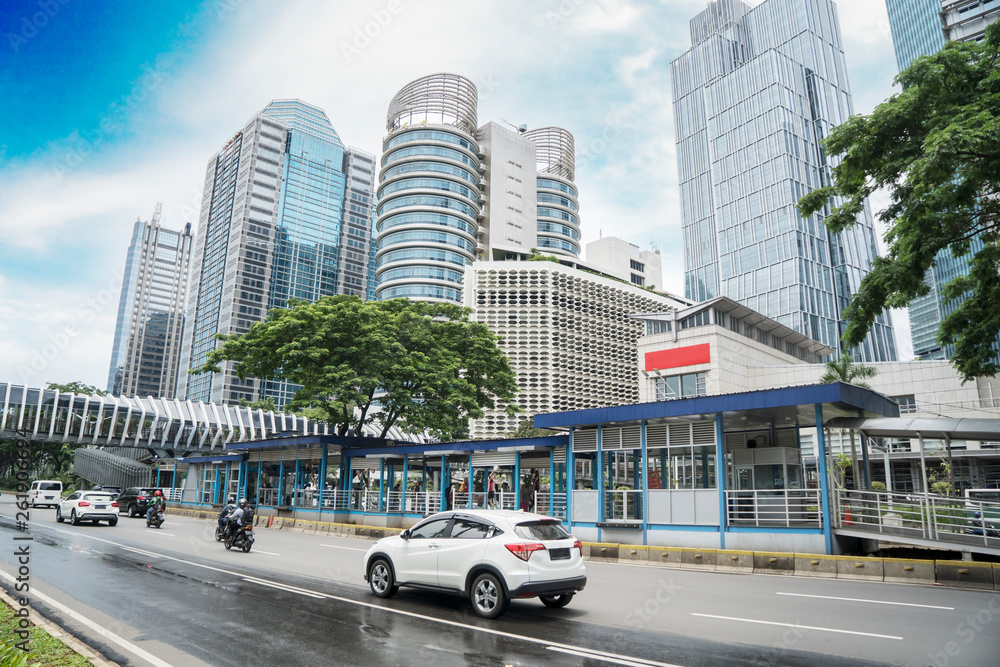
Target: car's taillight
{"x":523,"y":550}
{"x":577,"y":544}
{"x":140,"y":497}
{"x":84,"y":503}
{"x":114,"y":504}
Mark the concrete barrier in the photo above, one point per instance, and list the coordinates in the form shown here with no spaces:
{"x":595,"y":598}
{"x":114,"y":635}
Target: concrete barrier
{"x":904,"y":571}
{"x":996,"y":576}
{"x":815,"y":565}
{"x":634,"y":553}
{"x":699,"y":558}
{"x":731,"y":560}
{"x":277,"y":523}
{"x":600,"y":551}
{"x":851,"y":567}
{"x":664,"y":556}
{"x":964,"y":574}
{"x":774,"y":562}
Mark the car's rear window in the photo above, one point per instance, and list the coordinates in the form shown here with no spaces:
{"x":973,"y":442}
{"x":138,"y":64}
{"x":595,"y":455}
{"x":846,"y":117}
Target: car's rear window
{"x":147,"y":492}
{"x":98,"y":497}
{"x":541,"y":530}
{"x":48,"y":486}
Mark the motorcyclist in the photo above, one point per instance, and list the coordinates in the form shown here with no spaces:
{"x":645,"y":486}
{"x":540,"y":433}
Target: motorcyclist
{"x":227,"y":511}
{"x":156,"y":504}
{"x":236,"y":519}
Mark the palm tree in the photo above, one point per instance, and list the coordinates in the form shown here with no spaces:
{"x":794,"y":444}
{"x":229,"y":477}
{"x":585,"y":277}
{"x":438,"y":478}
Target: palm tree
{"x":844,"y":369}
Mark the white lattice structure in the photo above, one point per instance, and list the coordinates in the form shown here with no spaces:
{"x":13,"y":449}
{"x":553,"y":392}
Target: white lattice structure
{"x":568,"y":334}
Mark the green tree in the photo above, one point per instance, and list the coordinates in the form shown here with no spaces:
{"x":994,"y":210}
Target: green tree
{"x":265,"y":404}
{"x":934,"y":148}
{"x":526,"y":429}
{"x":843,"y":369}
{"x":420,"y":366}
{"x":76,"y":388}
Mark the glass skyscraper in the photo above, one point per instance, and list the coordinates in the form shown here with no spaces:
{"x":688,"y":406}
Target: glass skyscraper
{"x":286,"y":213}
{"x":918,"y":29}
{"x":753,"y":97}
{"x":147,"y":346}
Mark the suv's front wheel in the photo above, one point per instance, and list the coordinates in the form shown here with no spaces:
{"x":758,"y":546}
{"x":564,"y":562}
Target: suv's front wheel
{"x":380,"y":579}
{"x":488,"y":597}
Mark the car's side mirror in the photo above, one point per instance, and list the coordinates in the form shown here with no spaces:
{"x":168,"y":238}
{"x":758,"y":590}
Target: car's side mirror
{"x":405,"y":534}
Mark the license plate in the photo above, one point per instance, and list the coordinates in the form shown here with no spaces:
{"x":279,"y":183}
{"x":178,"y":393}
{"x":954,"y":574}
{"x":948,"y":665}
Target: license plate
{"x":100,"y":507}
{"x":559,"y":554}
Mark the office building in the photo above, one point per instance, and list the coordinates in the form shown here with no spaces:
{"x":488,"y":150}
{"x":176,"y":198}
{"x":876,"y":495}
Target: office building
{"x":452,"y":192}
{"x":286,"y":213}
{"x":147,"y":345}
{"x":567,"y":332}
{"x":625,"y":261}
{"x":921,"y":27}
{"x":753,"y":97}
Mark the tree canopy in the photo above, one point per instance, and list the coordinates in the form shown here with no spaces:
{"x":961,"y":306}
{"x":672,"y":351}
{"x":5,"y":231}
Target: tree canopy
{"x":933,"y":147}
{"x":843,"y":369}
{"x":76,"y":387}
{"x":419,"y":366}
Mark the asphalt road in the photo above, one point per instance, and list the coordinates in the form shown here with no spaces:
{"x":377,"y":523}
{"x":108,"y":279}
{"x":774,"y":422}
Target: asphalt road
{"x":176,"y":597}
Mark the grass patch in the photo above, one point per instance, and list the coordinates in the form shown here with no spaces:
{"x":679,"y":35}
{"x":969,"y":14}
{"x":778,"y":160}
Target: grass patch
{"x":45,"y":650}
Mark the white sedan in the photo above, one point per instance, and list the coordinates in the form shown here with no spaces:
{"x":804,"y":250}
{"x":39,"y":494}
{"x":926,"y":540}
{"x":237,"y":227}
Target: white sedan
{"x":489,"y":556}
{"x":93,"y":506}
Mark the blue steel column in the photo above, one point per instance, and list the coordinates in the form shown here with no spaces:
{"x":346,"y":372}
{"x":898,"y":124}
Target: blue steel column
{"x":645,"y":481}
{"x":517,"y":479}
{"x":218,"y":481}
{"x":322,"y":475}
{"x":721,"y":474}
{"x":281,"y":480}
{"x":552,"y":479}
{"x":599,"y":478}
{"x":570,"y":478}
{"x":381,"y":484}
{"x":823,"y":486}
{"x":404,"y":486}
{"x":470,"y":482}
{"x":445,"y":482}
{"x":297,"y":477}
{"x":259,"y":471}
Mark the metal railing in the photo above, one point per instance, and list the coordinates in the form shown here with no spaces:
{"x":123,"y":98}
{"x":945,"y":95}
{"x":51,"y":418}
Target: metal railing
{"x":171,"y":495}
{"x":790,"y":507}
{"x":553,"y":504}
{"x":623,"y":505}
{"x":919,"y":515}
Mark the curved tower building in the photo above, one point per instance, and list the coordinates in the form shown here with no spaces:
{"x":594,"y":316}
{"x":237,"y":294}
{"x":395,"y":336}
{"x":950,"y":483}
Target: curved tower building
{"x":558,"y":208}
{"x":429,"y":197}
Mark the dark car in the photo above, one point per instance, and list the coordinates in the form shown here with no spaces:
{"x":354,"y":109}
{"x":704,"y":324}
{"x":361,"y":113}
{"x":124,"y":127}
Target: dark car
{"x":134,"y":500}
{"x":115,"y":491}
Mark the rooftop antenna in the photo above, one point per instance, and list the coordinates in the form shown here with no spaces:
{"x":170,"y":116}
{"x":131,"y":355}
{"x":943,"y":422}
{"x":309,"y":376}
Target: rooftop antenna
{"x":157,"y":213}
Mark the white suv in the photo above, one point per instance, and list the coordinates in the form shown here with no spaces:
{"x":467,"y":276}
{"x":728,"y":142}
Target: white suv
{"x":490,"y":556}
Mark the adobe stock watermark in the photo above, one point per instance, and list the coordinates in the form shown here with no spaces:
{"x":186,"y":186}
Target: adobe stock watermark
{"x":31,"y":24}
{"x":364,"y":34}
{"x":57,"y":342}
{"x":562,"y":13}
{"x":599,"y":145}
{"x":968,"y":630}
{"x":82,"y":144}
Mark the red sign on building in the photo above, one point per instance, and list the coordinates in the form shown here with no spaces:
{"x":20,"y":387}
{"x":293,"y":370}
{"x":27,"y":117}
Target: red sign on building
{"x":689,"y":355}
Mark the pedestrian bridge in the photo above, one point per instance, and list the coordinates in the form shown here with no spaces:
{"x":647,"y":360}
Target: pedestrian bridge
{"x":174,"y":427}
{"x":919,"y":520}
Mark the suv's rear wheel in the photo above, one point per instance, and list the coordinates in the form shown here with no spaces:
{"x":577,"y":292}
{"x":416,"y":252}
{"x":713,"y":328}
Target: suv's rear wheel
{"x":488,"y":597}
{"x":380,"y":579}
{"x":556,"y":601}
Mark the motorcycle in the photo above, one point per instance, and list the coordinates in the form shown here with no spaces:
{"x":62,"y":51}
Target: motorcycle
{"x":156,"y":520}
{"x":220,"y":532}
{"x":979,"y":526}
{"x":243,"y":537}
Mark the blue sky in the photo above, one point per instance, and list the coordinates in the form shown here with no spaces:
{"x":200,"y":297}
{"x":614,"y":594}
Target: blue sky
{"x":109,"y":108}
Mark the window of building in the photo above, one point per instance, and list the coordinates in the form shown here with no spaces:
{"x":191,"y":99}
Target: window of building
{"x":907,"y":404}
{"x":656,"y":327}
{"x":636,"y":266}
{"x":637,"y":280}
{"x":680,"y":386}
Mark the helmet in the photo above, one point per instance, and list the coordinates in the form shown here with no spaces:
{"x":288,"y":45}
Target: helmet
{"x":243,"y":502}
{"x":231,"y":500}
{"x":157,"y":493}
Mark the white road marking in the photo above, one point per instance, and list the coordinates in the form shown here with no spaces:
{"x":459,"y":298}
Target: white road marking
{"x":902,"y":604}
{"x":399,"y":612}
{"x":269,"y":553}
{"x":149,"y":554}
{"x":335,"y":546}
{"x":638,"y":662}
{"x":802,"y":627}
{"x":99,"y":629}
{"x":156,"y":532}
{"x":282,"y":587}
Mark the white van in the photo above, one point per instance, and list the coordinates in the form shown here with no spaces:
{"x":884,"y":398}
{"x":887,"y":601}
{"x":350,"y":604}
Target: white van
{"x":45,"y":492}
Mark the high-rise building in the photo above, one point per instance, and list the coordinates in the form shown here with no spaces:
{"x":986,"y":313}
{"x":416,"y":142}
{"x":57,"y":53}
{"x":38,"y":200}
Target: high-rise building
{"x":920,"y":28}
{"x":286,"y":213}
{"x":147,"y":346}
{"x":753,"y":97}
{"x":451,"y":192}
